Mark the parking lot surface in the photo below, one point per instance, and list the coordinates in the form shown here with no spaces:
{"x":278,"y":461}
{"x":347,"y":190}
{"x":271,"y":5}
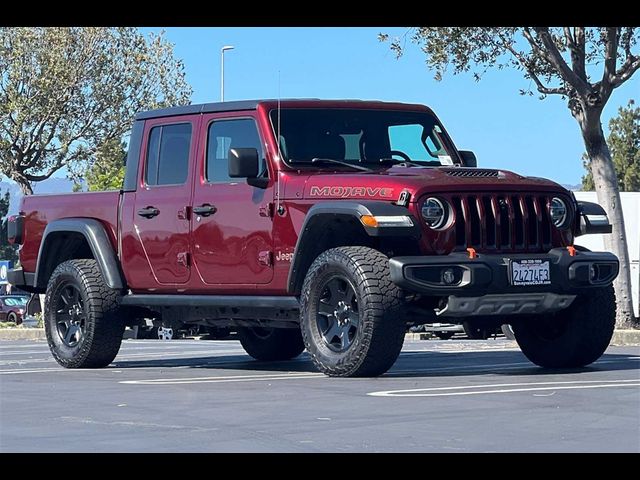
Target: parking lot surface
{"x":209,"y":396}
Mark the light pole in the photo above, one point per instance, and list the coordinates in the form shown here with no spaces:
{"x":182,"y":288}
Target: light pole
{"x":222,"y":50}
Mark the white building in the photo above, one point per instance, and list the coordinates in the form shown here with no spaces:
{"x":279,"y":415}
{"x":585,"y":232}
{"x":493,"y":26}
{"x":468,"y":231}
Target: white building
{"x":631,"y":210}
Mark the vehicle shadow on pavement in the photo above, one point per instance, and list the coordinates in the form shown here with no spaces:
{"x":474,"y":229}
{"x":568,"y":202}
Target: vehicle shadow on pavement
{"x":409,"y":364}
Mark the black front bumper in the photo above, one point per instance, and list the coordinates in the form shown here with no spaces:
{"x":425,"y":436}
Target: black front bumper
{"x":490,"y":274}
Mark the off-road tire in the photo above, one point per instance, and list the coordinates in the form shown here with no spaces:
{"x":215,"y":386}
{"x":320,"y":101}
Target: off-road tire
{"x":573,"y":337}
{"x":104,"y":324}
{"x":269,"y":344}
{"x":380,"y":333}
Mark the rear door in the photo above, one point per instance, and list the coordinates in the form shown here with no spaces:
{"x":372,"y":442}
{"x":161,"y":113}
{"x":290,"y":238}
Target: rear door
{"x":161,"y":211}
{"x":233,"y":244}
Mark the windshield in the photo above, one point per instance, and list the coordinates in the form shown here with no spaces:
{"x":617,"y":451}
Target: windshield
{"x":15,"y":301}
{"x":358,"y":136}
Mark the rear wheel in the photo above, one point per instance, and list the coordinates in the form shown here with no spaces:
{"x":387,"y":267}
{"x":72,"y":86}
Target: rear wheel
{"x":573,"y":337}
{"x":83,"y":321}
{"x":351,"y":317}
{"x":269,"y":344}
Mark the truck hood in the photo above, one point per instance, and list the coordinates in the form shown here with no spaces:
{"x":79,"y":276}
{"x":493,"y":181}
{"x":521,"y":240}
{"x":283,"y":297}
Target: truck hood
{"x":388,"y":183}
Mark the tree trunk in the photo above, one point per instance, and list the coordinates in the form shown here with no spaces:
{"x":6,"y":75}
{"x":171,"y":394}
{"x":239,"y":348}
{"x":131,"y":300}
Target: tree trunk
{"x":23,"y":183}
{"x":606,"y":183}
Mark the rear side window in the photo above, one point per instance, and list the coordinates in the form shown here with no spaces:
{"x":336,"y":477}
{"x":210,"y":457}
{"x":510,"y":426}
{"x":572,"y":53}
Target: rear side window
{"x":168,"y":154}
{"x":226,"y":134}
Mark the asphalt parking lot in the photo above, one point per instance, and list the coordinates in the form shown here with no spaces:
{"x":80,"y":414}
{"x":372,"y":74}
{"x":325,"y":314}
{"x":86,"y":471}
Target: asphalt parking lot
{"x":209,"y":396}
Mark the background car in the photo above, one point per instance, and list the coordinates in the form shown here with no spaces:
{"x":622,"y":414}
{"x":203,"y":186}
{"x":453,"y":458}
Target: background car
{"x":12,"y":308}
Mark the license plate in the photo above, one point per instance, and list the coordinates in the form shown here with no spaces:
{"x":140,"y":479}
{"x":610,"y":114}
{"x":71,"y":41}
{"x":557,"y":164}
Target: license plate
{"x":530,"y":272}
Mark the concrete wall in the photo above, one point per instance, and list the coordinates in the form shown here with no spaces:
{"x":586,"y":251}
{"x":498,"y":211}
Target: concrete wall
{"x":631,"y":210}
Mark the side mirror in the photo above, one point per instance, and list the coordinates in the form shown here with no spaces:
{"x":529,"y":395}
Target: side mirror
{"x":469,"y":158}
{"x":593,"y":219}
{"x":243,"y":163}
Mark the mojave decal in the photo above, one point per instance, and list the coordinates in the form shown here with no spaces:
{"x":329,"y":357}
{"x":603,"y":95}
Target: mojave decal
{"x":345,"y":192}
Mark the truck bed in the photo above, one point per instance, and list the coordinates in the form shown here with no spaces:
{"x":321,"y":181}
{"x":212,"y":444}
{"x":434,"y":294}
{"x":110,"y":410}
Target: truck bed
{"x":39,"y":210}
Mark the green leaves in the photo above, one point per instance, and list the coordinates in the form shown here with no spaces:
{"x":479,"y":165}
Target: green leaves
{"x":65,"y":92}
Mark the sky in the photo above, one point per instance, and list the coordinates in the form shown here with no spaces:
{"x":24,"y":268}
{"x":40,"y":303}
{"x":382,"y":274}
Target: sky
{"x":504,"y":129}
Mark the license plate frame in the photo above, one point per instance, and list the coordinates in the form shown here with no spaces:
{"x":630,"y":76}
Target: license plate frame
{"x":529,"y":272}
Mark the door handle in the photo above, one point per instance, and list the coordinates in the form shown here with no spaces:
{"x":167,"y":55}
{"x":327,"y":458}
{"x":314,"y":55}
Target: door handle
{"x":205,"y":210}
{"x":148,"y":212}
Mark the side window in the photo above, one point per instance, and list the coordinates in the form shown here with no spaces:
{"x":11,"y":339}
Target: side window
{"x":168,"y":154}
{"x":226,"y":134}
{"x":410,"y":139}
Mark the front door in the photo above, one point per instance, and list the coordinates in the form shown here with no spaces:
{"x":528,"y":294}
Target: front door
{"x":231,"y":220}
{"x":161,"y":212}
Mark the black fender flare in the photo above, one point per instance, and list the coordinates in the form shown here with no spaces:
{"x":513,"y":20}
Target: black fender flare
{"x":96,"y":236}
{"x":322,"y":213}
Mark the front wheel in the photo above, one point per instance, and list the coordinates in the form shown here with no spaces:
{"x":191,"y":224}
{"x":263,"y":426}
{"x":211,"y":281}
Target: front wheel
{"x":573,"y":337}
{"x":83,"y":320}
{"x":350,"y":315}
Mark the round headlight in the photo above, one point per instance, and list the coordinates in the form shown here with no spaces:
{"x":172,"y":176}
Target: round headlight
{"x":435,"y":213}
{"x":558,"y":212}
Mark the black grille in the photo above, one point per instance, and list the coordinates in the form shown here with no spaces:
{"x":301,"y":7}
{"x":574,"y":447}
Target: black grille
{"x":471,"y":172}
{"x":502,"y":222}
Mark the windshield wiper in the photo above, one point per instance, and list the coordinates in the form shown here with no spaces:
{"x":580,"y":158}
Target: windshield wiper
{"x":397,"y":161}
{"x":340,"y":162}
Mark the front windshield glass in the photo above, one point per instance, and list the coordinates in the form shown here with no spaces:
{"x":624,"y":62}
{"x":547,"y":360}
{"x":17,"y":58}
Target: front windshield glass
{"x":358,"y":136}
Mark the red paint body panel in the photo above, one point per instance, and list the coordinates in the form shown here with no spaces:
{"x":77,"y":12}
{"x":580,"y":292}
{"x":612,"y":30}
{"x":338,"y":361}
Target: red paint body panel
{"x":163,"y":241}
{"x":245,"y":247}
{"x":42,"y":209}
{"x":227,"y":245}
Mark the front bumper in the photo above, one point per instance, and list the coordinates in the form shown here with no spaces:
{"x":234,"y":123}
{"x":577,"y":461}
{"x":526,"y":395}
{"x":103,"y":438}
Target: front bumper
{"x":482,"y":285}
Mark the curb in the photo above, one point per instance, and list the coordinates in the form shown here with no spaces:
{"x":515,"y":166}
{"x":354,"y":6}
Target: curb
{"x":22,"y":334}
{"x":626,"y":337}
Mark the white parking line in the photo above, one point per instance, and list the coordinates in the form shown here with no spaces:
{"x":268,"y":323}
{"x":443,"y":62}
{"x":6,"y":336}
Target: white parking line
{"x":225,"y":379}
{"x":484,"y":389}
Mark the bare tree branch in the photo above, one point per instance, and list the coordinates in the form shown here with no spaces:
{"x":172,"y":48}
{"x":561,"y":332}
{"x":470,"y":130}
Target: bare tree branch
{"x":578,"y":62}
{"x":531,"y":72}
{"x":553,"y":55}
{"x":626,"y":71}
{"x":611,"y":50}
{"x":576,"y":49}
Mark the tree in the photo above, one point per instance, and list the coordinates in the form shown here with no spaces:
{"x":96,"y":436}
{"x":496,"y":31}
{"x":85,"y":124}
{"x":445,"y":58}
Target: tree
{"x":624,"y":143}
{"x":582,"y":65}
{"x":67,"y":92}
{"x":106,"y":171}
{"x":7,"y":251}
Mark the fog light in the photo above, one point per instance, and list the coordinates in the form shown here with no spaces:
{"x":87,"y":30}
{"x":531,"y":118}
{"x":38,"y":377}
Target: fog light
{"x":448,"y":276}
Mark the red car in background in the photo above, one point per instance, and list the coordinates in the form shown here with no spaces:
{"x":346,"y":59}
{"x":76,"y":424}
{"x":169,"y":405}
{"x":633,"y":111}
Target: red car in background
{"x":13,"y":308}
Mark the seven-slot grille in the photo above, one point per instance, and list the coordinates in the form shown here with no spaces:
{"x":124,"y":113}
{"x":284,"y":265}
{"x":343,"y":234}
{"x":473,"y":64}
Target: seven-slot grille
{"x":502,"y":222}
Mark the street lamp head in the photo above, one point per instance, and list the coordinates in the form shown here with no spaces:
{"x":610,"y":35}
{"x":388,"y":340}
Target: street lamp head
{"x":227,"y":47}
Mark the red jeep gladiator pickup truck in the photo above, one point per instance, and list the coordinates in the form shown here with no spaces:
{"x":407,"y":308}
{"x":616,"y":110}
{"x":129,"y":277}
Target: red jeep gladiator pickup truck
{"x":318,"y":224}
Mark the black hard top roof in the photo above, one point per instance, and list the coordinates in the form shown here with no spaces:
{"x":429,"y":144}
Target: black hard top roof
{"x":200,"y":108}
{"x":239,"y":105}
